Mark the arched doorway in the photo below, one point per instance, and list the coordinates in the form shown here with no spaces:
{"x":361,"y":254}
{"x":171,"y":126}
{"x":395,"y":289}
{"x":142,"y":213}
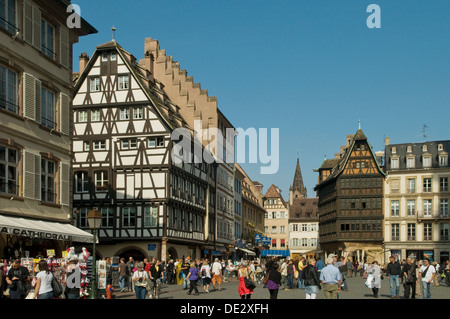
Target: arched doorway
{"x":172,"y":253}
{"x":136,"y":253}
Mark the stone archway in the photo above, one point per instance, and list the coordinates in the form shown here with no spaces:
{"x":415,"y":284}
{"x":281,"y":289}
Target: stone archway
{"x":172,"y":253}
{"x":132,"y":251}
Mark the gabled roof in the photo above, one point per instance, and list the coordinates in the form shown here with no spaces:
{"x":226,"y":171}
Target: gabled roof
{"x":165,"y":108}
{"x":273,"y":191}
{"x":339,"y":164}
{"x":304,"y":208}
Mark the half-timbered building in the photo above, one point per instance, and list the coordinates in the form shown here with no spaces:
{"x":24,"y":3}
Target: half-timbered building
{"x":152,"y":204}
{"x":350,"y":192}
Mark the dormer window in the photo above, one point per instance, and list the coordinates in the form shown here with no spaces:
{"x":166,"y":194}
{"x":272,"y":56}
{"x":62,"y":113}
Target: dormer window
{"x":409,"y":149}
{"x":443,"y":160}
{"x":105,"y":57}
{"x":410,"y":162}
{"x":394,"y":150}
{"x":425,"y":148}
{"x":394,"y":162}
{"x":427,"y":161}
{"x":113,"y":56}
{"x":440,"y":147}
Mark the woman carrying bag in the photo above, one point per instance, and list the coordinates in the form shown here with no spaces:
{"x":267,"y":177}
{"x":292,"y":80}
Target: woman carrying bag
{"x":43,"y":289}
{"x":140,"y":278}
{"x":273,"y":282}
{"x":244,"y":274}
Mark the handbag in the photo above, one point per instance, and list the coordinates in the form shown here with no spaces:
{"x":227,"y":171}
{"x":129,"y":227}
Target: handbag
{"x":249,"y":284}
{"x":57,"y":288}
{"x":296,"y":274}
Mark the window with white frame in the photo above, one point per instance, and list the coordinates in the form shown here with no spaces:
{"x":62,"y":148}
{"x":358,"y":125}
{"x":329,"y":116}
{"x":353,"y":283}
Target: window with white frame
{"x":124,"y":82}
{"x":411,"y":185}
{"x":95,"y":84}
{"x":411,"y":207}
{"x":9,"y":170}
{"x":394,"y":163}
{"x":427,"y":231}
{"x":8,"y":89}
{"x":304,"y":242}
{"x":443,"y":184}
{"x":48,"y":39}
{"x":105,"y":56}
{"x":99,"y":145}
{"x":107,"y":217}
{"x":313,"y":242}
{"x":411,"y":231}
{"x":444,"y":231}
{"x":150,"y":216}
{"x":101,"y":181}
{"x":427,"y":161}
{"x":395,"y":208}
{"x":81,"y":182}
{"x":128,"y":217}
{"x":427,"y":207}
{"x":124,"y":114}
{"x":138,"y":113}
{"x":113,"y":56}
{"x":95,"y":115}
{"x":282,"y":229}
{"x":274,"y":215}
{"x":274,"y":229}
{"x":48,"y":185}
{"x":395,"y":232}
{"x":410,"y":162}
{"x":304,"y":227}
{"x":82,"y":217}
{"x":155,"y":142}
{"x":295,"y":227}
{"x":48,"y":108}
{"x":266,"y":229}
{"x":427,"y":185}
{"x":129,"y":143}
{"x":443,"y":160}
{"x":444,"y":207}
{"x":8,"y":13}
{"x":82,"y":116}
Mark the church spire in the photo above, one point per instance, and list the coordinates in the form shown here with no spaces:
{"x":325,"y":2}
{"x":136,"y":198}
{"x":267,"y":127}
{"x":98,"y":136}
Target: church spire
{"x":298,"y":189}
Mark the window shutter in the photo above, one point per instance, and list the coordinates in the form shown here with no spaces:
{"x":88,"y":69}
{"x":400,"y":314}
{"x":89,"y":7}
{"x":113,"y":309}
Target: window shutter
{"x":29,"y":97}
{"x":64,"y":193}
{"x":28,"y":176}
{"x":37,"y":28}
{"x":64,"y":111}
{"x":37,"y":100}
{"x":28,"y":22}
{"x":32,"y":176}
{"x":64,"y":47}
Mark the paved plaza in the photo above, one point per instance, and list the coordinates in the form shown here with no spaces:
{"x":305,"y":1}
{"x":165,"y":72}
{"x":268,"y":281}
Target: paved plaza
{"x":357,"y":290}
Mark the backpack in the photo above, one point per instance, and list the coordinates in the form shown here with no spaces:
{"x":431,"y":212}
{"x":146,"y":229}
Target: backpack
{"x":57,"y":288}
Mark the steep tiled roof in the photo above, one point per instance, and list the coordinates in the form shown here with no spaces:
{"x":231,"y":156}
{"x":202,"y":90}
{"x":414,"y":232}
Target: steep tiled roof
{"x":304,"y":208}
{"x":273,"y":192}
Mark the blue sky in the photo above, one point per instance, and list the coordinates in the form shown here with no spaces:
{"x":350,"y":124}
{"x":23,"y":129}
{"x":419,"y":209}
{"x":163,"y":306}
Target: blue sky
{"x":311,"y":68}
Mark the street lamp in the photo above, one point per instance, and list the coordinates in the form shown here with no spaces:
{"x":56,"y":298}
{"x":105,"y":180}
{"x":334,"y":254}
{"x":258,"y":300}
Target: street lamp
{"x":94,"y":218}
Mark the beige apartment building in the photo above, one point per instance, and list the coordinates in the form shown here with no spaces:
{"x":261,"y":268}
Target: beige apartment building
{"x":35,"y":127}
{"x":416,"y":197}
{"x":276,"y":219}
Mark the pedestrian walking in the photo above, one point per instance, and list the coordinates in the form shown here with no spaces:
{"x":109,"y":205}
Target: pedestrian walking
{"x":409,"y":279}
{"x":244,"y":272}
{"x":290,"y":275}
{"x":311,"y":278}
{"x":330,"y":278}
{"x":130,"y":266}
{"x":122,"y":274}
{"x":217,"y":274}
{"x":393,"y":272}
{"x":170,"y":270}
{"x":300,"y":266}
{"x":185,"y":266}
{"x":374,"y":274}
{"x":283,"y":271}
{"x":274,"y":281}
{"x":192,"y":276}
{"x":349,"y":268}
{"x":156,"y":275}
{"x":43,"y":288}
{"x":426,"y":276}
{"x":140,"y":278}
{"x":205,"y":272}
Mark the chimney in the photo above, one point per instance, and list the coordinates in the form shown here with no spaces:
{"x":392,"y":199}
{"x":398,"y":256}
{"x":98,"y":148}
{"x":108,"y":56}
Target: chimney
{"x":84,"y":59}
{"x":387,"y":141}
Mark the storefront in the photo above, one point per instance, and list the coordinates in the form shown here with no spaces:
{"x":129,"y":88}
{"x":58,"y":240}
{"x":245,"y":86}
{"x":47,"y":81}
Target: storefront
{"x":23,"y":237}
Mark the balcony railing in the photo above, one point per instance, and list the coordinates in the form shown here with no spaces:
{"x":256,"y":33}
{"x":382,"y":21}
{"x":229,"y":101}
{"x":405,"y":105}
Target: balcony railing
{"x":9,"y":187}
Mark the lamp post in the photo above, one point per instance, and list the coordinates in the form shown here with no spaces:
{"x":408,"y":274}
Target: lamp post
{"x":94,"y":218}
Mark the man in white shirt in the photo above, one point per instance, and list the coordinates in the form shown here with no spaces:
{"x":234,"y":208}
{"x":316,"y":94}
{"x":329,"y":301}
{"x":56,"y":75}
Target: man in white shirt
{"x":427,"y":273}
{"x":217,"y":274}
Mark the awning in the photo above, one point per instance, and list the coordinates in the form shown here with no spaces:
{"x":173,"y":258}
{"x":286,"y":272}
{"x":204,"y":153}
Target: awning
{"x":251,"y":253}
{"x":271,"y":252}
{"x":40,"y":229}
